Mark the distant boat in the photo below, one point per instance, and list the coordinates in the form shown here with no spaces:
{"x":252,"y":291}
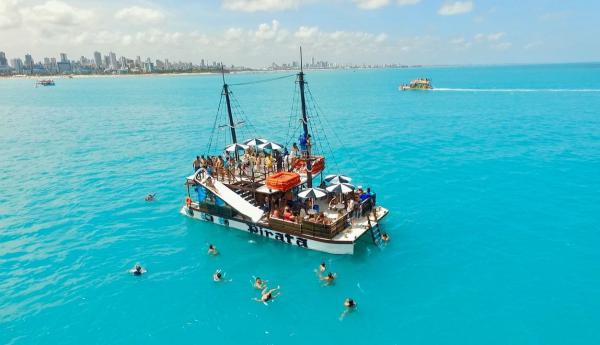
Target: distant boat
{"x":45,"y":82}
{"x":417,"y":84}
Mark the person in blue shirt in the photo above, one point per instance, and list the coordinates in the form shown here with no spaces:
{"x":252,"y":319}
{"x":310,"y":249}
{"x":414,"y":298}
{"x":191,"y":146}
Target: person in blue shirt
{"x":366,"y":195}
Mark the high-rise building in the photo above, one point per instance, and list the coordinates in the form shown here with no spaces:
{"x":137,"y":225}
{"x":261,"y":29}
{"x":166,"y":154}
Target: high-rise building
{"x":113,"y":61}
{"x":98,"y":60}
{"x":28,"y":61}
{"x":3,"y":61}
{"x":63,"y":57}
{"x":17,"y":64}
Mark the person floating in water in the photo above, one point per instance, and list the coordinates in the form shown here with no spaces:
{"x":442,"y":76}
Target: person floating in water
{"x":212,"y":250}
{"x":329,"y":278}
{"x":150,"y":197}
{"x":218,"y":276}
{"x":349,"y":305}
{"x":137,"y":270}
{"x":385,"y":237}
{"x":268,"y":295}
{"x":260,"y":284}
{"x":322,"y":267}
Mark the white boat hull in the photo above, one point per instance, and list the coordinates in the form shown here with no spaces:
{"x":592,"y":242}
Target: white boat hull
{"x":327,"y":246}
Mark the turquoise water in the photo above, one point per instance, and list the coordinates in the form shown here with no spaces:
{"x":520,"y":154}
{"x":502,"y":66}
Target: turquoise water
{"x":494,"y":200}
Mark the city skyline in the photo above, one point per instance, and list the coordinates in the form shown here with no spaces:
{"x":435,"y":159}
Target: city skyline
{"x":99,"y":63}
{"x":255,"y":33}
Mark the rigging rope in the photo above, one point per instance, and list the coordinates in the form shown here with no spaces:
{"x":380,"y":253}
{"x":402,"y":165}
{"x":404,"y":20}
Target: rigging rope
{"x":262,"y":80}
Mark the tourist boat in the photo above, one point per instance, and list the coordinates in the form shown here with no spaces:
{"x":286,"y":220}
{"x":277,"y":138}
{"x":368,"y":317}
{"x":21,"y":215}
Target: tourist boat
{"x":417,"y":84}
{"x":45,"y":82}
{"x":278,"y":200}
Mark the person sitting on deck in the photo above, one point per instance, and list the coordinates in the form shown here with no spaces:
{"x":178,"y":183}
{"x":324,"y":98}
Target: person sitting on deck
{"x":287,"y":215}
{"x":203,"y":162}
{"x":333,"y":202}
{"x":320,"y":218}
{"x":276,"y":214}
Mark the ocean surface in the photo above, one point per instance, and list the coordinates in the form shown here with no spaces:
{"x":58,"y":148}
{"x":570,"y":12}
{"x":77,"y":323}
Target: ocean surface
{"x":492,"y":181}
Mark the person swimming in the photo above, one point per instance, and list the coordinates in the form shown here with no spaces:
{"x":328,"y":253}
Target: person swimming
{"x":212,"y":250}
{"x":218,"y":276}
{"x":329,"y":278}
{"x":150,"y":197}
{"x":268,"y":295}
{"x":137,"y":270}
{"x":385,"y":237}
{"x":350,"y":305}
{"x":322,"y":267}
{"x":259,"y":283}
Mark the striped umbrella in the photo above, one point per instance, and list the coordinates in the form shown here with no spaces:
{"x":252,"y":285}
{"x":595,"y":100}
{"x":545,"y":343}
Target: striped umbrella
{"x":340,"y":188}
{"x":255,"y":141}
{"x":235,"y":147}
{"x":337,"y":179}
{"x":314,"y":193}
{"x":270,"y":146}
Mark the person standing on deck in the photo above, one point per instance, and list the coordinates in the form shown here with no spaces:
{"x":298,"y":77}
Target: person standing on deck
{"x":197,"y":163}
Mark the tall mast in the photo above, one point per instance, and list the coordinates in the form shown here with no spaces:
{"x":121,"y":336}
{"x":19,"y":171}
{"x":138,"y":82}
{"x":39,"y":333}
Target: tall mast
{"x":226,"y":92}
{"x":305,"y":122}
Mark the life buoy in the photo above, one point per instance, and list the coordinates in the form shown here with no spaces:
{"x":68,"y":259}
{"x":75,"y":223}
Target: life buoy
{"x":188,"y":201}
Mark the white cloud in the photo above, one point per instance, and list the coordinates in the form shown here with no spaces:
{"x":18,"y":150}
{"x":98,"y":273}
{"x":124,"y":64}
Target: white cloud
{"x":532,"y":45}
{"x":407,"y":2}
{"x":456,"y":7}
{"x":9,"y":15}
{"x":502,"y":45}
{"x":261,"y":5}
{"x":305,"y":32}
{"x":371,"y":4}
{"x":140,"y":15}
{"x":494,"y":37}
{"x":55,"y":12}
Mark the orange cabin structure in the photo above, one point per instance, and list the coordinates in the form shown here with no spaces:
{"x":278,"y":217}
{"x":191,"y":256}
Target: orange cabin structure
{"x":283,"y":181}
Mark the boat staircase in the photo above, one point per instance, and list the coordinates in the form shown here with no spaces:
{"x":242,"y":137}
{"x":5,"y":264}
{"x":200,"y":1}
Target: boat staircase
{"x":247,"y":195}
{"x":374,"y":229}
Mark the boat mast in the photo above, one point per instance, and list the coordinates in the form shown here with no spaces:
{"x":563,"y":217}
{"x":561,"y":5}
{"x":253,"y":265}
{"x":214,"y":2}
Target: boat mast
{"x":305,"y":122}
{"x":226,"y":92}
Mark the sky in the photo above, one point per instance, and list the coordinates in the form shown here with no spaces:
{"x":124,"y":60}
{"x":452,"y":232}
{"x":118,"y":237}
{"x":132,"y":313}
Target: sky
{"x":256,"y":33}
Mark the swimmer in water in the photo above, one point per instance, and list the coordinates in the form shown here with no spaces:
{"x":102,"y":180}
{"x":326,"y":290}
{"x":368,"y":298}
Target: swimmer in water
{"x":137,"y":270}
{"x":385,"y":237}
{"x":329,"y":278}
{"x":260,"y":284}
{"x":267,"y":295}
{"x":212,"y":250}
{"x":150,"y":197}
{"x":322,"y":267}
{"x":350,"y":305}
{"x":218,"y":276}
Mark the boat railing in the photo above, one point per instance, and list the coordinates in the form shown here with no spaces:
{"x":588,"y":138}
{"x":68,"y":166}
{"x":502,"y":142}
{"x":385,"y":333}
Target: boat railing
{"x":215,"y":210}
{"x":312,"y":228}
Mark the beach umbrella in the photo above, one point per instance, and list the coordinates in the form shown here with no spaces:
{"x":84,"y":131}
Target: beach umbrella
{"x":270,"y":146}
{"x":340,"y":188}
{"x":255,"y":141}
{"x":235,"y":147}
{"x":313,"y":193}
{"x":337,"y":179}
